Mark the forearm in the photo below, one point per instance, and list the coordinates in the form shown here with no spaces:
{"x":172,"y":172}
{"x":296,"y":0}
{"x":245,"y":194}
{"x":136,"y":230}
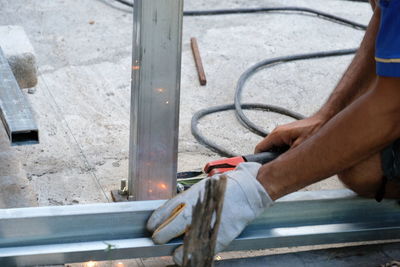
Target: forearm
{"x":359,"y":76}
{"x":360,"y":130}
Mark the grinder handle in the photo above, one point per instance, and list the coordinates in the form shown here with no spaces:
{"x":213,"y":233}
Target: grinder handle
{"x":262,"y":158}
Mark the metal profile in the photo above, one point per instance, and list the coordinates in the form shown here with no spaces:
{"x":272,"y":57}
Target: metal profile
{"x":65,"y":234}
{"x":156,"y":68}
{"x":15,"y":111}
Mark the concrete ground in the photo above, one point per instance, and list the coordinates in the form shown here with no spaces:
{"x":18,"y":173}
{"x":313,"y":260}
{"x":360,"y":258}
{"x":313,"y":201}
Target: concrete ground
{"x":82,"y":99}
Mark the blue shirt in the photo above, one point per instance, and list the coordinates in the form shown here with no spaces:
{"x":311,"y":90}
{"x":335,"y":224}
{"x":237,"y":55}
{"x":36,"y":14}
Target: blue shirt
{"x":387,"y":52}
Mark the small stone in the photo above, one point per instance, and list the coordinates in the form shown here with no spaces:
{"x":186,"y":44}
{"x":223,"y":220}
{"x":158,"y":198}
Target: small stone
{"x":116,"y":164}
{"x":32,"y":90}
{"x":91,"y":22}
{"x":100,"y":163}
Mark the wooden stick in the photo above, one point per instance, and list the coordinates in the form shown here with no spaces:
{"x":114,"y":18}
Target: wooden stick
{"x":201,"y":237}
{"x":197,"y":60}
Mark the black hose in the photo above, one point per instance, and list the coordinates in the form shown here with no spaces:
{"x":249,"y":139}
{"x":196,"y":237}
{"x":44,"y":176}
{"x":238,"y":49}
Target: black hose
{"x":269,"y":63}
{"x":126,"y":3}
{"x":215,"y":12}
{"x":238,"y":106}
{"x":320,"y":14}
{"x":207,"y":111}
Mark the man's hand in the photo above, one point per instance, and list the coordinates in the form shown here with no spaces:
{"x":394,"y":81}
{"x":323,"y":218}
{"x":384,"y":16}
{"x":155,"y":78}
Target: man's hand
{"x":291,"y":134}
{"x":245,"y":199}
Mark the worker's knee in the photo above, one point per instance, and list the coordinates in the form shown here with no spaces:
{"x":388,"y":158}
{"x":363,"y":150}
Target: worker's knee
{"x":360,"y":185}
{"x":364,"y":178}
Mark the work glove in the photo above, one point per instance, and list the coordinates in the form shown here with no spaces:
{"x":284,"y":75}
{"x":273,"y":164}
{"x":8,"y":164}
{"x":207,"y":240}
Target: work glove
{"x":245,"y":199}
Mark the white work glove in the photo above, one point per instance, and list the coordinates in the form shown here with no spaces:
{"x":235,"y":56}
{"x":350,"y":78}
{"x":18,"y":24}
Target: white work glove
{"x":245,"y":199}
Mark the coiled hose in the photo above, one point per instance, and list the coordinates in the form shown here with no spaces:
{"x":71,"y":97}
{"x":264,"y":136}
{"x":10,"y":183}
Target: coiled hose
{"x":239,"y":107}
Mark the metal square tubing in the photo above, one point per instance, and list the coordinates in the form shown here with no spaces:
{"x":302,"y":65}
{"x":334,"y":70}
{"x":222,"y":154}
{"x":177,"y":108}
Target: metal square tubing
{"x":15,"y":111}
{"x":156,"y":68}
{"x":65,"y":234}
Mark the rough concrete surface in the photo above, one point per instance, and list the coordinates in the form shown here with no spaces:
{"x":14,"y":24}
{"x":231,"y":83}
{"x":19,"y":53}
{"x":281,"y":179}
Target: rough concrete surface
{"x":20,"y":54}
{"x":83,"y":51}
{"x":365,"y":256}
{"x":15,"y":189}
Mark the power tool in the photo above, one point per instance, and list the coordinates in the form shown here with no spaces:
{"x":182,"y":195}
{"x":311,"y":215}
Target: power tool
{"x":187,"y":179}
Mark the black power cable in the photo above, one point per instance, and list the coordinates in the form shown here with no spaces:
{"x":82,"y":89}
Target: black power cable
{"x":269,"y":63}
{"x":238,"y":106}
{"x":253,"y":106}
{"x":234,"y":11}
{"x":126,"y":3}
{"x":301,"y":10}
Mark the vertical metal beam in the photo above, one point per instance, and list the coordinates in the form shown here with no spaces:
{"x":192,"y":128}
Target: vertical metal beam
{"x":156,"y":68}
{"x":15,"y":111}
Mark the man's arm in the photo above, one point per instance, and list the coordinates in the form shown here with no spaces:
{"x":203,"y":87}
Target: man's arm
{"x":362,"y":129}
{"x":358,"y":78}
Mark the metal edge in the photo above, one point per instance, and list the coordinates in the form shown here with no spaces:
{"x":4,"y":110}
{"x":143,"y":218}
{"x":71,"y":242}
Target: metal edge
{"x":148,"y":205}
{"x":15,"y":111}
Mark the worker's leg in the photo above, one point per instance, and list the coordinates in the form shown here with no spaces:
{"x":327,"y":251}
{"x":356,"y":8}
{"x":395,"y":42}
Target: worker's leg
{"x":366,"y":179}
